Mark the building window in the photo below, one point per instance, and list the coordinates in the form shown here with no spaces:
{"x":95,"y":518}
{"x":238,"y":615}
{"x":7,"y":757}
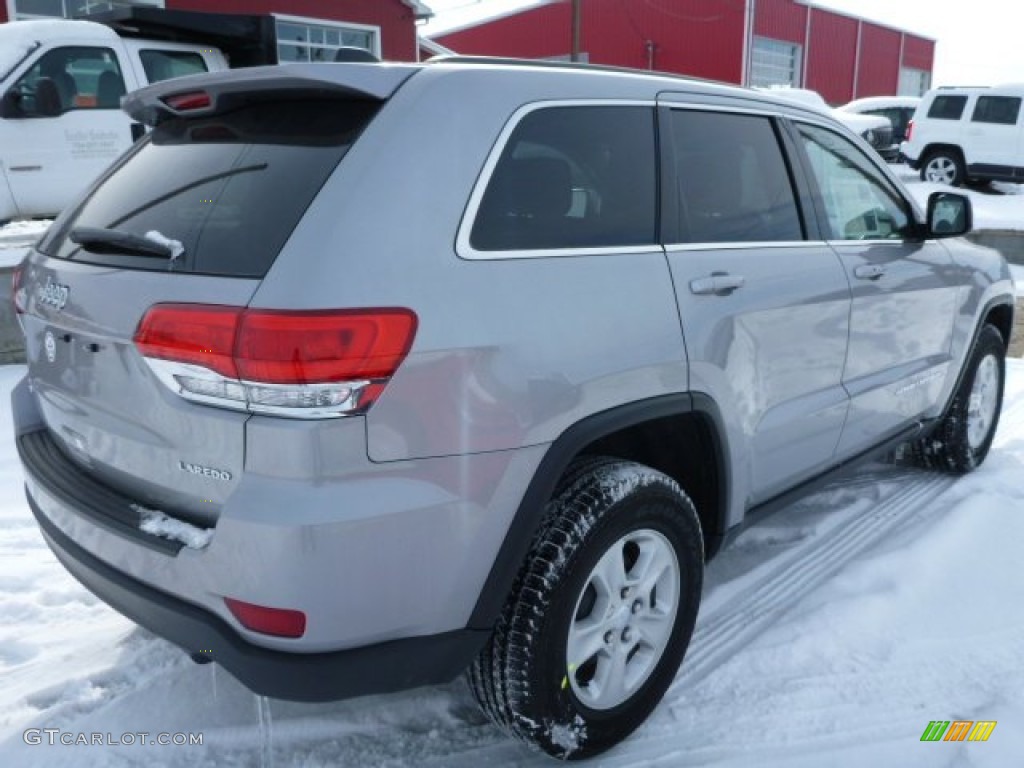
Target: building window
{"x":775,"y":62}
{"x":317,"y":40}
{"x":914,"y":82}
{"x":34,"y":9}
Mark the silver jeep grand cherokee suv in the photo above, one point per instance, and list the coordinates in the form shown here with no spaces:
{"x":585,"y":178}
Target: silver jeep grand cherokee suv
{"x":356,"y":376}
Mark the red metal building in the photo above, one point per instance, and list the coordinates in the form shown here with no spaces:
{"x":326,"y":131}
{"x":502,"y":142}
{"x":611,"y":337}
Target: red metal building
{"x":386,"y":27}
{"x":752,"y":42}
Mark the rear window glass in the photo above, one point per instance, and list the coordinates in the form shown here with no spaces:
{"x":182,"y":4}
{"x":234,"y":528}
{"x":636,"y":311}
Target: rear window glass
{"x":947,"y":107}
{"x":163,"y":65}
{"x":230,"y":188}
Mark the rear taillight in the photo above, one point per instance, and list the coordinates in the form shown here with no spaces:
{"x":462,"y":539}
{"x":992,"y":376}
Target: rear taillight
{"x":311,"y":364}
{"x":18,"y":294}
{"x":910,"y":130}
{"x":187,"y":102}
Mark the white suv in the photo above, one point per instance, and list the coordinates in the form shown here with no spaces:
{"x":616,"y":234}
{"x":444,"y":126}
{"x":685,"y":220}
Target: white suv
{"x":964,"y":135}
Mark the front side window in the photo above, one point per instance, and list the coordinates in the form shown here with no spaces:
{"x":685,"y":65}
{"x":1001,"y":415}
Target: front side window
{"x":70,"y":78}
{"x":1001,"y":110}
{"x":572,"y":177}
{"x":859,"y":201}
{"x":734,"y":185}
{"x":947,"y":107}
{"x":163,"y":65}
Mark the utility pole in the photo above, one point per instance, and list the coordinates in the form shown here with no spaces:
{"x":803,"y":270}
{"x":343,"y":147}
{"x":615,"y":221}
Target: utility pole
{"x":577,"y":12}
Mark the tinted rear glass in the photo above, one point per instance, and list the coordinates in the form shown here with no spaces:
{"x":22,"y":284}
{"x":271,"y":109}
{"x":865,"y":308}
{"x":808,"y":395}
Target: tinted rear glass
{"x":573,"y":177}
{"x":230,"y":188}
{"x":1001,"y":110}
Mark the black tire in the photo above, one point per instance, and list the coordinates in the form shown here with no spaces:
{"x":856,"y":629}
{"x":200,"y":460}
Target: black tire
{"x":521,"y":677}
{"x":951,"y":447}
{"x":944,"y":166}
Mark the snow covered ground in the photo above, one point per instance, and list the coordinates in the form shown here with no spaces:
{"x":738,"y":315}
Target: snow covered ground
{"x":831,"y":634}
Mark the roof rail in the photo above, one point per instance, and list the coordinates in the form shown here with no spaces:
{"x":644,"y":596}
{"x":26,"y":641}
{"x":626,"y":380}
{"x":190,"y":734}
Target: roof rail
{"x":571,"y":65}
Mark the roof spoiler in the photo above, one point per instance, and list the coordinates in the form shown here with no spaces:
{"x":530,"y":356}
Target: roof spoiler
{"x":219,"y":91}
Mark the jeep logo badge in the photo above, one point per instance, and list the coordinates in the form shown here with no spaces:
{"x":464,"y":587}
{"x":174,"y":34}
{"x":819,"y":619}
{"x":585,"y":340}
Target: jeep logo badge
{"x":53,"y":295}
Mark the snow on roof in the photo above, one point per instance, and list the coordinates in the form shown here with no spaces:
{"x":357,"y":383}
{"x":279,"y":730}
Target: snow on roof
{"x":434,"y":49}
{"x":464,"y":17}
{"x":422,"y":11}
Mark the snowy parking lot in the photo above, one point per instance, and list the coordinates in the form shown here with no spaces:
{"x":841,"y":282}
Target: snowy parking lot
{"x":831,"y":634}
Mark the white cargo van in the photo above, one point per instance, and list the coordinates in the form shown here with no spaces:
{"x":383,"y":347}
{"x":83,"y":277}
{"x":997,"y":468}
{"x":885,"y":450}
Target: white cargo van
{"x":61,"y":125}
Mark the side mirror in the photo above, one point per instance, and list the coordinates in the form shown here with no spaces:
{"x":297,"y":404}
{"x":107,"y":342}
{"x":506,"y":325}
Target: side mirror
{"x":10,"y":105}
{"x":949,"y":214}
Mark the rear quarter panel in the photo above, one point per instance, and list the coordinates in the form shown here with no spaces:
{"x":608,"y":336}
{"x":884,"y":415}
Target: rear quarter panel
{"x":509,"y":352}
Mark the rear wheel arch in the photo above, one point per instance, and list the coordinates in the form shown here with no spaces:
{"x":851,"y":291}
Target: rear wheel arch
{"x":680,"y":435}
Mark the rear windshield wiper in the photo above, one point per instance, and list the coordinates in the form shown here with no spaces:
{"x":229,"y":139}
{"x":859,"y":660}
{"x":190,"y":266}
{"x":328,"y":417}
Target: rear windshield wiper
{"x":100,"y":240}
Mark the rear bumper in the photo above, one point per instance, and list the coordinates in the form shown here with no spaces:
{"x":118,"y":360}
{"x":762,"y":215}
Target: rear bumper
{"x":381,"y":668}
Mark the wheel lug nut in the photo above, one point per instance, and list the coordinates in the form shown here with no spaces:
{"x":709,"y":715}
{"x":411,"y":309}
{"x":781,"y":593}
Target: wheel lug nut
{"x":627,"y":635}
{"x":637,"y":606}
{"x":609,"y":636}
{"x":624,"y":593}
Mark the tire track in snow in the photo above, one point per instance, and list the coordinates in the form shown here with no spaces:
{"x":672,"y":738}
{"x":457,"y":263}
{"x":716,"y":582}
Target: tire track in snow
{"x":736,"y":621}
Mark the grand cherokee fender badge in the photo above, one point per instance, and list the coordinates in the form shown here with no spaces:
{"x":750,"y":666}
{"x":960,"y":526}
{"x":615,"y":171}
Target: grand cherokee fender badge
{"x":53,"y":295}
{"x":199,"y":469}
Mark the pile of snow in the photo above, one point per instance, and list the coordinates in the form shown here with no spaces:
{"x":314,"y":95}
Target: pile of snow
{"x":16,"y":237}
{"x":156,"y":523}
{"x":18,"y":232}
{"x":831,"y":634}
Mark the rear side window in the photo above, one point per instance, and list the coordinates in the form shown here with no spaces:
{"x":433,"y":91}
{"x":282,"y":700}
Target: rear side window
{"x":163,"y":65}
{"x":572,"y":177}
{"x":734,"y":185}
{"x":230,"y":188}
{"x":1001,"y":110}
{"x":947,"y":107}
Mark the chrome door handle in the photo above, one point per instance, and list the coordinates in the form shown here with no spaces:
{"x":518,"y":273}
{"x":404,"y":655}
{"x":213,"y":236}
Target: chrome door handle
{"x":717,"y":284}
{"x":869,"y":271}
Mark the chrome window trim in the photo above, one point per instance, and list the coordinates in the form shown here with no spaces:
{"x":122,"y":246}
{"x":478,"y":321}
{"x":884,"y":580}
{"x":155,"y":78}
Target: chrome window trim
{"x":740,"y":245}
{"x":463,"y":248}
